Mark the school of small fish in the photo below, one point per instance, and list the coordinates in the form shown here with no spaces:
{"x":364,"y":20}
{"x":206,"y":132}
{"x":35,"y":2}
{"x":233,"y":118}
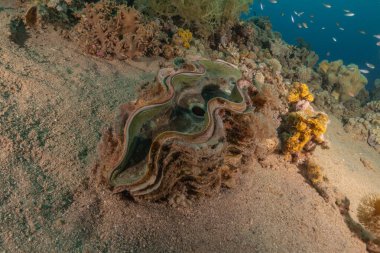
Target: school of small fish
{"x":304,"y":25}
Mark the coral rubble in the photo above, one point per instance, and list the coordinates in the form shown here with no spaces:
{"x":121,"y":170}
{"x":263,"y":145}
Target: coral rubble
{"x":192,"y":138}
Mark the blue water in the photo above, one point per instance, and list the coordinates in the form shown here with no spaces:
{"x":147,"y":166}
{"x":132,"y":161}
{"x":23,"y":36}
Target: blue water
{"x":351,"y":46}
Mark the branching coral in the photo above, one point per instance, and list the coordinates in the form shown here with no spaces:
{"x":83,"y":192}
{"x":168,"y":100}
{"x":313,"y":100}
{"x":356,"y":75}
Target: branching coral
{"x":369,"y":213}
{"x":117,"y":31}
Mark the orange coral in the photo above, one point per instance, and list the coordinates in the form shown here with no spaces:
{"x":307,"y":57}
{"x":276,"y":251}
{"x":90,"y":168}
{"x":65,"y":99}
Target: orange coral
{"x":305,"y":128}
{"x":184,"y":37}
{"x":298,"y":92}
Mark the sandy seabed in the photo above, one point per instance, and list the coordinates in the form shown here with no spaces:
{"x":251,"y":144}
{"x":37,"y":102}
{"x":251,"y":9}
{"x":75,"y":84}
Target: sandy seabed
{"x":54,"y":105}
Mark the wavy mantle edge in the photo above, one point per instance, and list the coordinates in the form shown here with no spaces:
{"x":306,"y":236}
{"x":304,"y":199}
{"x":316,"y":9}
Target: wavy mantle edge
{"x":152,"y":174}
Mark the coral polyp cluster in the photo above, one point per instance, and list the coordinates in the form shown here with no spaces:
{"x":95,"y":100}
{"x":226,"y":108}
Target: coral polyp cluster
{"x":190,"y":139}
{"x":298,"y":92}
{"x":185,"y":36}
{"x":304,"y":127}
{"x":369,"y":213}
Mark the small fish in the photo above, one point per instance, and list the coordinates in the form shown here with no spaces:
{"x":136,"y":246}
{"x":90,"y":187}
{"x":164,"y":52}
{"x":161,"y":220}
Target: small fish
{"x":364,"y":71}
{"x":311,"y":21}
{"x":347,"y":11}
{"x":305,"y":25}
{"x":378,"y":44}
{"x":377,"y":36}
{"x":351,"y":68}
{"x":362,"y":32}
{"x":299,"y":26}
{"x":273,"y":1}
{"x":369,"y":65}
{"x":311,"y":15}
{"x":328,"y":6}
{"x":334,"y":39}
{"x":341,"y":28}
{"x":323,"y":28}
{"x":261,"y":6}
{"x":350,"y":14}
{"x":328,"y":54}
{"x":292,"y":18}
{"x":282,"y":14}
{"x":337,"y":24}
{"x":300,"y":14}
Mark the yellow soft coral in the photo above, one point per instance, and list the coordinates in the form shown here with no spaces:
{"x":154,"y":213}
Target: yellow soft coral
{"x":305,"y":128}
{"x":186,"y":36}
{"x":299,"y":92}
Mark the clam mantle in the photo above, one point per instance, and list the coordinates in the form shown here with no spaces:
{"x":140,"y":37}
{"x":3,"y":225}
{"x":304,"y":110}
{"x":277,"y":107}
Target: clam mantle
{"x":178,"y":140}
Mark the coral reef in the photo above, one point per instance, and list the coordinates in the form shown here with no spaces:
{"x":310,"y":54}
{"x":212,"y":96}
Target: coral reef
{"x":343,"y":82}
{"x":190,"y":139}
{"x":369,"y":213}
{"x":202,"y":16}
{"x":108,"y":30}
{"x":305,"y":74}
{"x":302,"y":128}
{"x":367,"y":126}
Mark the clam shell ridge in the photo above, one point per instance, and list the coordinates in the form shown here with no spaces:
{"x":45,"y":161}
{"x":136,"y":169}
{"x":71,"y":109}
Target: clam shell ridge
{"x":179,"y":137}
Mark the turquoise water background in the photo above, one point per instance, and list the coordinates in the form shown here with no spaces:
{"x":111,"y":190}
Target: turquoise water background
{"x":351,"y":46}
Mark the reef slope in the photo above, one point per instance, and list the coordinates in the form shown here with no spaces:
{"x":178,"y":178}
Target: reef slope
{"x":54,"y":103}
